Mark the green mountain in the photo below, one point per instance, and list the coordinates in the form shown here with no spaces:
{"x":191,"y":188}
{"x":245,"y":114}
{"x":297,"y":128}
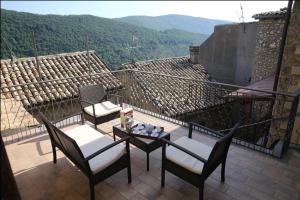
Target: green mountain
{"x":182,"y":22}
{"x":112,"y":40}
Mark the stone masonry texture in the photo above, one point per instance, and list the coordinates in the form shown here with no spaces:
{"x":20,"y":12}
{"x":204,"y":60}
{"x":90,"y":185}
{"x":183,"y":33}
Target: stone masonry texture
{"x":289,"y":80}
{"x":268,"y":38}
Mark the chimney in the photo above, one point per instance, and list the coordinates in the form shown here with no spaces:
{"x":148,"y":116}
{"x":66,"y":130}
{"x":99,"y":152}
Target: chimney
{"x":194,"y":54}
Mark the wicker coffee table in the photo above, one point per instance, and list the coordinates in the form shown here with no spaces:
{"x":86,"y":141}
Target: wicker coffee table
{"x":147,"y":144}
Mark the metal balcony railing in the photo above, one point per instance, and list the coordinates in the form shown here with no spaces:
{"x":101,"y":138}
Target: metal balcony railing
{"x":177,"y":99}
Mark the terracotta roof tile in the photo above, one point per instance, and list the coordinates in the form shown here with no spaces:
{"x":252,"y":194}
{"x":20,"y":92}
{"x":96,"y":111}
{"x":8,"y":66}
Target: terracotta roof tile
{"x":171,"y":95}
{"x":271,"y":14}
{"x":24,"y":71}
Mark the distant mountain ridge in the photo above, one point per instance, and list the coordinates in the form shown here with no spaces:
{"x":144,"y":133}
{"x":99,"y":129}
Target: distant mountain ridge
{"x":111,"y":39}
{"x":182,"y":22}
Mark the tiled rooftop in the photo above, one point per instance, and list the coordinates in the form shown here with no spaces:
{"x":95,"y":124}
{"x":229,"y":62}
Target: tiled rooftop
{"x":176,"y":66}
{"x":271,"y":14}
{"x":52,"y":67}
{"x":171,"y":95}
{"x":249,"y":174}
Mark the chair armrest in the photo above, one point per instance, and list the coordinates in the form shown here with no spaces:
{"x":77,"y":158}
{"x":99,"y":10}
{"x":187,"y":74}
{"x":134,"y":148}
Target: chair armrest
{"x":191,"y":124}
{"x":106,"y":148}
{"x":185,"y":150}
{"x":87,"y":102}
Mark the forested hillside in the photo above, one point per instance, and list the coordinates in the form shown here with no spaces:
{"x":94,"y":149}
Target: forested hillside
{"x":111,"y":39}
{"x":182,"y":22}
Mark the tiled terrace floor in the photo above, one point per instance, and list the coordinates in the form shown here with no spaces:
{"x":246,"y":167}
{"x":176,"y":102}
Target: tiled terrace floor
{"x":249,"y":174}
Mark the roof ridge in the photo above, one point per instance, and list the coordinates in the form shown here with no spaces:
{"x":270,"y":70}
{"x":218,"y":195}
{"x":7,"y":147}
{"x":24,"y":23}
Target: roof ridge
{"x":158,"y":59}
{"x":50,"y":56}
{"x":271,"y":14}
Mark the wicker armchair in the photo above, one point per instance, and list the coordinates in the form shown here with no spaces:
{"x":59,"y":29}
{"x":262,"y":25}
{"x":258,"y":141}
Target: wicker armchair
{"x":96,"y":155}
{"x":95,"y":105}
{"x":194,"y":161}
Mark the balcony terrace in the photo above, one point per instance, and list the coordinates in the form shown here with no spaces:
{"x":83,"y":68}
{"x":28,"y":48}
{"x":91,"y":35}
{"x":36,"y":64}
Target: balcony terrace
{"x":263,"y":162}
{"x":249,"y":174}
{"x":166,"y":100}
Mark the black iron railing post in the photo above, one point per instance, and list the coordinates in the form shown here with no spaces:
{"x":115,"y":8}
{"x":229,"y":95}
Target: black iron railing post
{"x":291,"y":121}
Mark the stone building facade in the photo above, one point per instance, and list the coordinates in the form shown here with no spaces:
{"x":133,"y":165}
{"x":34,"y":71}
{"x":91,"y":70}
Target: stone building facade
{"x":230,"y":55}
{"x":289,"y":81}
{"x":268,"y":38}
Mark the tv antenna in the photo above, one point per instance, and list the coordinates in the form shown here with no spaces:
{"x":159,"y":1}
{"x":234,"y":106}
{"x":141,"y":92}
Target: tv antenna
{"x":134,"y":45}
{"x":35,"y":49}
{"x":242,"y":18}
{"x":242,"y":14}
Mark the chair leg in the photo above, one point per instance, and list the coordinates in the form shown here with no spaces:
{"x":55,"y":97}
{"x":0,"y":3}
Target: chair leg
{"x":54,"y":153}
{"x":201,"y":189}
{"x":163,"y":161}
{"x":147,"y":161}
{"x":82,"y":119}
{"x":223,"y":171}
{"x":92,"y":191}
{"x":128,"y":161}
{"x":163,"y":174}
{"x":95,"y":125}
{"x":129,"y":170}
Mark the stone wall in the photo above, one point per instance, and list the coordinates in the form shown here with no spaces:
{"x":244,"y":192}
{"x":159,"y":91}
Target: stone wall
{"x":268,"y":38}
{"x":289,"y":80}
{"x":228,"y":54}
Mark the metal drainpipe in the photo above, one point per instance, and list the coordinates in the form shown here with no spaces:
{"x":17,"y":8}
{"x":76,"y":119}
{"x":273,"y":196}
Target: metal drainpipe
{"x":282,"y":44}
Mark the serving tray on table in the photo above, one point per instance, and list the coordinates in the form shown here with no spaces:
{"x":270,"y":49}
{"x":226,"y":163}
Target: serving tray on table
{"x":146,"y":131}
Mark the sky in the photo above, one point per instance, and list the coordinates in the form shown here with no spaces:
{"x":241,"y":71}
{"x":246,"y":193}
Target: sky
{"x":225,"y":10}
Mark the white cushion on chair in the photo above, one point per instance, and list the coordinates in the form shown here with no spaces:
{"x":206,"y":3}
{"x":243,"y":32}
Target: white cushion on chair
{"x":102,"y":109}
{"x":183,"y":159}
{"x":89,"y":141}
